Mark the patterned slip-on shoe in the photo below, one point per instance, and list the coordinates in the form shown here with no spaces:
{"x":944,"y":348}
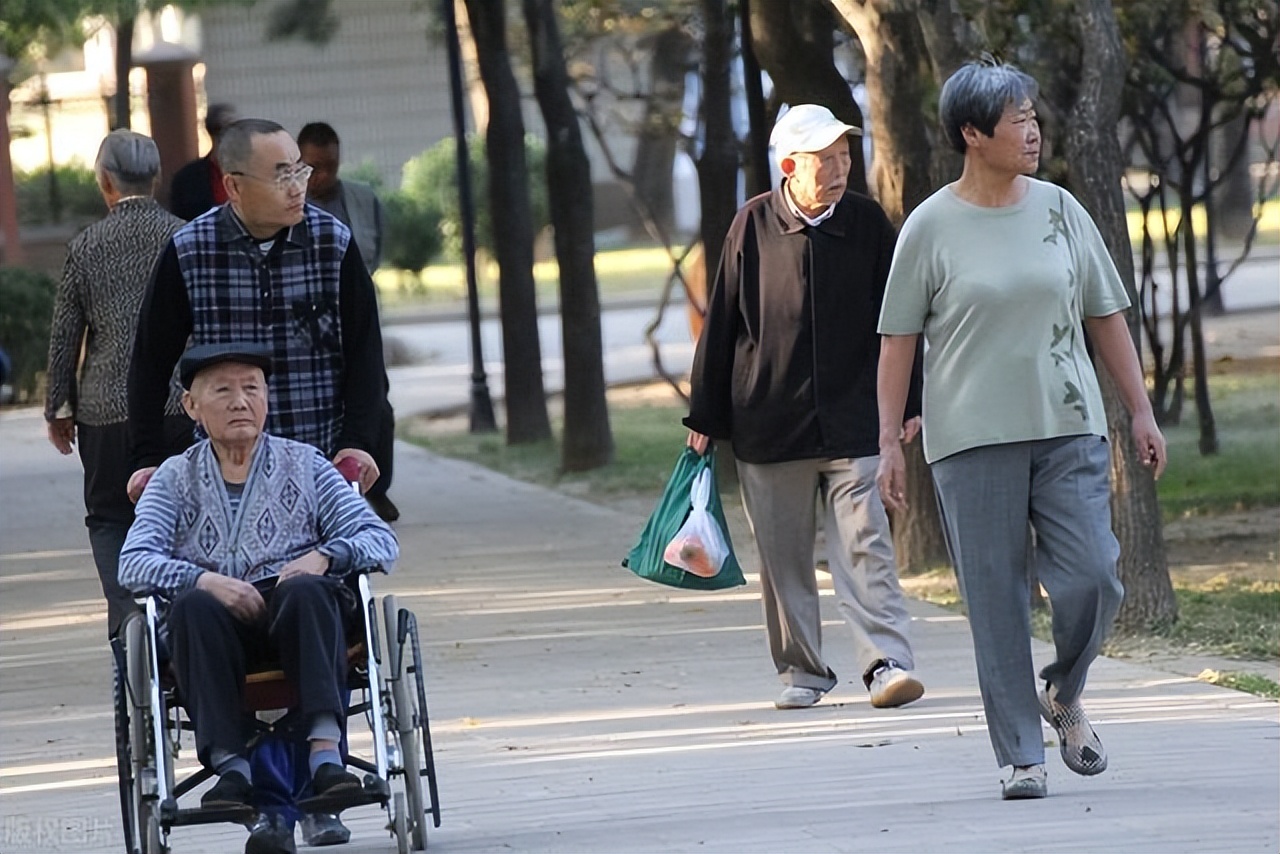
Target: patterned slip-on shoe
{"x":1082,"y":750}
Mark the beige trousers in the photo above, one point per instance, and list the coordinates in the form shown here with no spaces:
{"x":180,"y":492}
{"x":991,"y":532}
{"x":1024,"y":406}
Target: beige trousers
{"x":780,"y":504}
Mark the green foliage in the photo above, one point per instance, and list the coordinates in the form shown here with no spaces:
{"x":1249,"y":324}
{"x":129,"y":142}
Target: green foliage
{"x":312,"y":21}
{"x":77,"y":189}
{"x":33,"y":28}
{"x":411,"y":232}
{"x":366,"y":172}
{"x":26,"y":311}
{"x":431,"y":181}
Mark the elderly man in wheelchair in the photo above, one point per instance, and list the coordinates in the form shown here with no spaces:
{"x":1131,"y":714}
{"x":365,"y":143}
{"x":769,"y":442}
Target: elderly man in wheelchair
{"x":250,"y":539}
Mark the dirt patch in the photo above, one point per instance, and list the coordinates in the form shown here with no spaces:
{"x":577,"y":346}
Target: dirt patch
{"x":1245,"y":544}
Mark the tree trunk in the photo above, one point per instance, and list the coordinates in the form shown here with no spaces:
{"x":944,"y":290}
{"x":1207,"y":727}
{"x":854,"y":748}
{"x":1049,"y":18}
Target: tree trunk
{"x":588,"y":442}
{"x":1235,"y":194}
{"x":759,"y":174}
{"x":121,"y":108}
{"x":893,"y":45}
{"x":802,"y":73}
{"x":659,"y":131}
{"x":941,"y":27}
{"x":1095,"y":165}
{"x":718,"y":165}
{"x":512,"y":217}
{"x":1199,"y":359}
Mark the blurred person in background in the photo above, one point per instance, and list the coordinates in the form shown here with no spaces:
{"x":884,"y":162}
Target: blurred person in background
{"x":197,"y":186}
{"x":94,"y":323}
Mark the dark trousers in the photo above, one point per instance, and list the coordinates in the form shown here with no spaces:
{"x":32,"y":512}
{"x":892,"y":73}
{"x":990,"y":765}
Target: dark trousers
{"x":383,"y":452}
{"x":104,"y":453}
{"x":304,"y":630}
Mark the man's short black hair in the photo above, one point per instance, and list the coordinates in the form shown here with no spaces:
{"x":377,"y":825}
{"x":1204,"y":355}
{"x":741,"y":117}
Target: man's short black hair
{"x":318,"y":134}
{"x":235,"y":146}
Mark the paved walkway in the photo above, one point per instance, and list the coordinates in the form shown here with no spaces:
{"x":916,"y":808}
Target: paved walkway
{"x":577,"y":709}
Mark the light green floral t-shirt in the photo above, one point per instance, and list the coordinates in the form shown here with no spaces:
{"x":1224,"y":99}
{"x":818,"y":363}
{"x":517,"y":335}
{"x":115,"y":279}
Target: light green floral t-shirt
{"x":1000,"y":295}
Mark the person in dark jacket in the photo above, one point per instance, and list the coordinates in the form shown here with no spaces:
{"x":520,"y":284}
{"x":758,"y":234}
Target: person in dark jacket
{"x":785,"y":369}
{"x":198,"y":186}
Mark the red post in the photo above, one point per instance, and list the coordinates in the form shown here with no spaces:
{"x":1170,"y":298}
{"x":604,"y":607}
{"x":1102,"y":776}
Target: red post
{"x":13,"y":253}
{"x":171,"y":105}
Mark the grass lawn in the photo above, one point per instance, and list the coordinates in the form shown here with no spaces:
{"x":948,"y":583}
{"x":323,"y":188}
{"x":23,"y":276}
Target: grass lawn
{"x":1246,"y":470}
{"x":618,"y":271}
{"x":648,"y":436}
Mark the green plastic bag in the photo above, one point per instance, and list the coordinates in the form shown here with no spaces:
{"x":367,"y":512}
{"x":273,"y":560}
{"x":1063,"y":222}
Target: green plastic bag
{"x":675,"y":505}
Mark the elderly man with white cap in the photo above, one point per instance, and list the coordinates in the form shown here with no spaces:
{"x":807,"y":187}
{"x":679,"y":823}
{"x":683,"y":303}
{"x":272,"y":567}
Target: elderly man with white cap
{"x":785,"y":370}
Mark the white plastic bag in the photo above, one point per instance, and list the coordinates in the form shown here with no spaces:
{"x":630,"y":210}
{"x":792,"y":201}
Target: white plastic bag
{"x":699,"y":546}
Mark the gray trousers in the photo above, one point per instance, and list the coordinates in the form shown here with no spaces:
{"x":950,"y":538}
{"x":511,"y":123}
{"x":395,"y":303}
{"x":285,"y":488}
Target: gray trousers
{"x":779,"y":500}
{"x":986,"y":496}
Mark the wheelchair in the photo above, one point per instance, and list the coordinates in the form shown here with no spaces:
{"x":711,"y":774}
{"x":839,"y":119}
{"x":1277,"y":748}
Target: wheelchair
{"x":386,"y":681}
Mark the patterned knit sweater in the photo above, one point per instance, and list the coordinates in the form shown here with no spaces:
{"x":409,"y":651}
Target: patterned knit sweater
{"x":105,"y":276}
{"x":293,"y":501}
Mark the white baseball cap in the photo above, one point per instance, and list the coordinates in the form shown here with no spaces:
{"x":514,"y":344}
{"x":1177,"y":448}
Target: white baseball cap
{"x":806,"y":127}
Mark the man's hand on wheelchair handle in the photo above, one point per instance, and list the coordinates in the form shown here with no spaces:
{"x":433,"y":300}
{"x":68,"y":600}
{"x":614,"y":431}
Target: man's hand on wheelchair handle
{"x":240,"y":597}
{"x":368,"y":468}
{"x":138,"y":482}
{"x":311,"y":563}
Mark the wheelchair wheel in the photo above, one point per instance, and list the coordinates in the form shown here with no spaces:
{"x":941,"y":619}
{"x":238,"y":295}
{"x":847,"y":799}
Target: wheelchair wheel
{"x":124,"y":764}
{"x":427,"y":766}
{"x":405,"y":718}
{"x":399,"y":823}
{"x":146,"y":757}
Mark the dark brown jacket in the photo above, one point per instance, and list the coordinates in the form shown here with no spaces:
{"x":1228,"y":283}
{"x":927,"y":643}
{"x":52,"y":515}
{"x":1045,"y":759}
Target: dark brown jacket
{"x":786,"y":364}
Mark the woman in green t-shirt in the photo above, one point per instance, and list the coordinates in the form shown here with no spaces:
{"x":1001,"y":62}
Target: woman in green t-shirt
{"x":1002,"y":274}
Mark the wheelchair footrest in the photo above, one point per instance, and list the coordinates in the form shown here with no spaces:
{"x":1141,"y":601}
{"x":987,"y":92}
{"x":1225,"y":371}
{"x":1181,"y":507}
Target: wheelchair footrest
{"x":373,"y":791}
{"x":218,"y":815}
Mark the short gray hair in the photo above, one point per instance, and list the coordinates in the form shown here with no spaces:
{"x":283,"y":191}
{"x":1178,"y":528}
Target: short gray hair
{"x":235,"y":146}
{"x":131,"y":160}
{"x":978,"y":94}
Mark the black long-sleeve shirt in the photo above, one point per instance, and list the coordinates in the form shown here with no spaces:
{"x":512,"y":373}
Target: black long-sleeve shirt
{"x":786,"y":364}
{"x":348,"y":352}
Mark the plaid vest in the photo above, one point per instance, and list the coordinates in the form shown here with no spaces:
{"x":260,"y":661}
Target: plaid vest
{"x":286,"y":298}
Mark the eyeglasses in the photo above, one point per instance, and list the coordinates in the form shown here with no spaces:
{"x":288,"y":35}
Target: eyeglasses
{"x":297,"y":176}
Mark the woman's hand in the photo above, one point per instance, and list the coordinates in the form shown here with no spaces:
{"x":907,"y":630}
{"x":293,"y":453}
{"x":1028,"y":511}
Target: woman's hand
{"x":1150,"y":443}
{"x":62,"y":433}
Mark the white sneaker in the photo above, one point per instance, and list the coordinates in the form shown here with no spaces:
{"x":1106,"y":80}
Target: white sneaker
{"x":891,"y":686}
{"x":797,"y":697}
{"x":1027,"y":783}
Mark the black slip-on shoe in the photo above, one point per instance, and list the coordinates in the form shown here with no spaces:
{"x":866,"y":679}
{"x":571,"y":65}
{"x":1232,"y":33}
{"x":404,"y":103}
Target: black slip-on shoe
{"x":332,"y":779}
{"x":233,"y":789}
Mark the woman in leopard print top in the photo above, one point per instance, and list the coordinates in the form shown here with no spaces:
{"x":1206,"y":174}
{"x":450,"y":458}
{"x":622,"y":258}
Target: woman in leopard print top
{"x":96,"y":314}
